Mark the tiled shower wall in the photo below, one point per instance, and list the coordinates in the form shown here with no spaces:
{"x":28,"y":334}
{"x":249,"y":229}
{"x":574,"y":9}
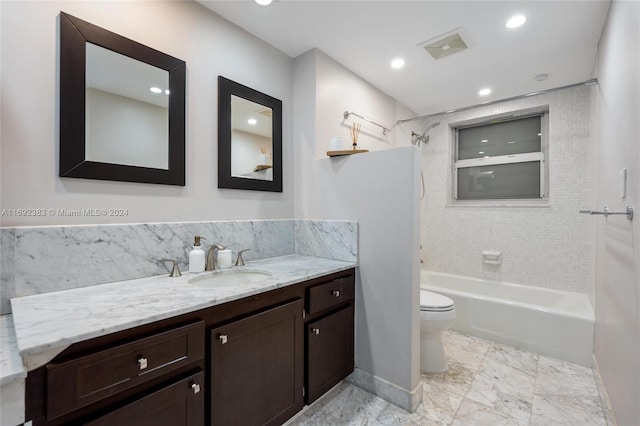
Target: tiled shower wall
{"x":43,"y":259}
{"x":547,"y":246}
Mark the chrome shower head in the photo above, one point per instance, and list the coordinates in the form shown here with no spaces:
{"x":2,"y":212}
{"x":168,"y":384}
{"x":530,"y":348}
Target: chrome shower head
{"x":424,"y":137}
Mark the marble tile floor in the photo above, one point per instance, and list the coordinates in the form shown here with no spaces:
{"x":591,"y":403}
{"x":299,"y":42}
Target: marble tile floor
{"x":487,"y":384}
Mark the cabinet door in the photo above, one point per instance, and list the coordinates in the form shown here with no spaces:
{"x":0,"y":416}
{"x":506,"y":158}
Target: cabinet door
{"x":329,"y":352}
{"x":179,"y":404}
{"x":257,"y":368}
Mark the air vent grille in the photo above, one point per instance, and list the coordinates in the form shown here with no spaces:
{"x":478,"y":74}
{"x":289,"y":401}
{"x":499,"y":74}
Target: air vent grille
{"x":267,"y":112}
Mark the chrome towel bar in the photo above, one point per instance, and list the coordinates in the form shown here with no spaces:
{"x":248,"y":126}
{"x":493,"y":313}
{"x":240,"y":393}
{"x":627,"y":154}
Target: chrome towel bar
{"x":606,"y":212}
{"x":346,"y":115}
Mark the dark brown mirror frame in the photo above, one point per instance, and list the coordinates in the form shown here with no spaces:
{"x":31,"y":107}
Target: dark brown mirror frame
{"x":74,"y":34}
{"x":226,"y":88}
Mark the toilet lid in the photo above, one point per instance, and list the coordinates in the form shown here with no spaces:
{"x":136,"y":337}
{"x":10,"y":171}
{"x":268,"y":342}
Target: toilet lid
{"x":430,"y":301}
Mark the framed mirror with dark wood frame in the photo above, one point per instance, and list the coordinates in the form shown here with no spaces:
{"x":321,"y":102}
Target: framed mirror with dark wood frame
{"x":122,"y":107}
{"x":249,"y":138}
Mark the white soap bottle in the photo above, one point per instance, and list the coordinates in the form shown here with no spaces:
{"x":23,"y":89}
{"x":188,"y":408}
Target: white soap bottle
{"x":196,"y":256}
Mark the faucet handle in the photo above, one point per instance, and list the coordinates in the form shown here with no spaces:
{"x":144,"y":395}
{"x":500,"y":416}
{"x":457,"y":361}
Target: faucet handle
{"x":175,"y":271}
{"x":240,"y":260}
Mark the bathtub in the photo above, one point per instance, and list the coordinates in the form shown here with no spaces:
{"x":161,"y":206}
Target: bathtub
{"x":556,"y":323}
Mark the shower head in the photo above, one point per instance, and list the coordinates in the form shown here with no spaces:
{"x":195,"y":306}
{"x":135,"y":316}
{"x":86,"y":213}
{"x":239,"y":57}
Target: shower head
{"x":424,"y":137}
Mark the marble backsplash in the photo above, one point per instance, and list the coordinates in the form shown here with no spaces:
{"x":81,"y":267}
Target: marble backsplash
{"x":336,"y":240}
{"x":37,"y":260}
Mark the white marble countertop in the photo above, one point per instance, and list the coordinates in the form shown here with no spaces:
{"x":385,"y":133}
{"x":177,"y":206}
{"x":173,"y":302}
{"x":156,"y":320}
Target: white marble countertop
{"x":46,"y":324}
{"x":11,"y":367}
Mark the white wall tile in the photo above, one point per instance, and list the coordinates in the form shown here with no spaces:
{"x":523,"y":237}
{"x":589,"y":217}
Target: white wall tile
{"x":548,"y":246}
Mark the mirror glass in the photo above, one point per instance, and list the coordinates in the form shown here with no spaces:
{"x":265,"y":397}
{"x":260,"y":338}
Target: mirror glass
{"x":251,"y":139}
{"x":122,"y":107}
{"x":126,"y":119}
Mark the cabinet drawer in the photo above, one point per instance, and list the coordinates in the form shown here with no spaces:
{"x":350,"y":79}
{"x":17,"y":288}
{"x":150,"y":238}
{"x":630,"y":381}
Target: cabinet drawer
{"x":82,"y":381}
{"x":179,"y":404}
{"x":333,"y":293}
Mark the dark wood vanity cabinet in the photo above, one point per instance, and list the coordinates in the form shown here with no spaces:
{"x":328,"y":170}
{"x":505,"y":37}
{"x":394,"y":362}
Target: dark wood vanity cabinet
{"x":257,"y":366}
{"x":329,"y":335}
{"x":178,"y":404}
{"x":329,"y":352}
{"x":253,"y":361}
{"x":83,"y":380}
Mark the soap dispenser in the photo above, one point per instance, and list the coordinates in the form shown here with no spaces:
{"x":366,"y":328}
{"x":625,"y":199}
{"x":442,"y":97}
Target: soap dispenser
{"x":196,"y":256}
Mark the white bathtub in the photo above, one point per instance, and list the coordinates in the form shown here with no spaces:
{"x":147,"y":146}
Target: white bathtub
{"x":549,"y":322}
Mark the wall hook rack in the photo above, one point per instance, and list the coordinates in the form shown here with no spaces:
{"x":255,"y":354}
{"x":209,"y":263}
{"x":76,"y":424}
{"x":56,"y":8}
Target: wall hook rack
{"x":346,"y":115}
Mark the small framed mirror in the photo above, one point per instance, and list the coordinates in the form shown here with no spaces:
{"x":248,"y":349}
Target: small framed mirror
{"x":122,"y":108}
{"x":249,"y":138}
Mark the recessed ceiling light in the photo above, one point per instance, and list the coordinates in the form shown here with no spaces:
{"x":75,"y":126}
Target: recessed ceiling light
{"x":264,"y":2}
{"x":481,"y":152}
{"x":511,"y":142}
{"x":155,"y":89}
{"x":484,"y":140}
{"x":516,"y":21}
{"x":252,"y":121}
{"x":166,"y":92}
{"x":539,"y":134}
{"x":484,"y":92}
{"x":397,"y":63}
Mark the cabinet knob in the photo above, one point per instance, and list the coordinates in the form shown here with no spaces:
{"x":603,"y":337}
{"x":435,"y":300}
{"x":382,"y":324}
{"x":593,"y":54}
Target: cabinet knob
{"x":315,"y":331}
{"x":336,"y":293}
{"x":142,"y":363}
{"x":222,"y":338}
{"x":195,"y":388}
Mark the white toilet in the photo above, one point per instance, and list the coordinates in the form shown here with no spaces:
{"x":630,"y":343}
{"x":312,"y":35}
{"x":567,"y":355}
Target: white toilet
{"x":437,"y":314}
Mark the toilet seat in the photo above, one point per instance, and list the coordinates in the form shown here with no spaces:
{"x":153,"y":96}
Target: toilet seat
{"x":434,"y":302}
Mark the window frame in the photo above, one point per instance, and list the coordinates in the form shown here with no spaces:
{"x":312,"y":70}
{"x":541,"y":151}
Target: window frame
{"x":541,"y":156}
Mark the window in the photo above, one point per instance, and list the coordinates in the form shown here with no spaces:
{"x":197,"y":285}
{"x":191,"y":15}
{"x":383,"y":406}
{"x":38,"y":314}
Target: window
{"x":500,"y":159}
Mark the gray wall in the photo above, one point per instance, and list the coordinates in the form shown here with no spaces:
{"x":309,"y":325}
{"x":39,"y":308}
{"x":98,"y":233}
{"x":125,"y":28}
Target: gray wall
{"x":379,"y":190}
{"x":210,"y":45}
{"x":617,"y":350}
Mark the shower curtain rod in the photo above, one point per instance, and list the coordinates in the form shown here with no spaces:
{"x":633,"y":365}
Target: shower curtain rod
{"x":346,"y":115}
{"x":540,"y":92}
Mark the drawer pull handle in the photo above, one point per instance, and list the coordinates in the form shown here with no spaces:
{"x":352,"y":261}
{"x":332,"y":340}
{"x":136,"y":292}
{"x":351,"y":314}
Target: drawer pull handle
{"x":142,"y":363}
{"x":222,"y":338}
{"x":195,"y":388}
{"x":315,"y":331}
{"x":336,"y":293}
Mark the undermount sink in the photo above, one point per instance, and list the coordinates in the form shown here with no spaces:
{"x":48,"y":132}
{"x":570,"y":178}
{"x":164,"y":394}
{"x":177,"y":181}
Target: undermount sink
{"x":229,"y":278}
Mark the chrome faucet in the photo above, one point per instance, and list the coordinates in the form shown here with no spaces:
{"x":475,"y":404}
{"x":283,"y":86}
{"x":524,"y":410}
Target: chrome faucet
{"x":175,"y":271}
{"x":211,"y":257}
{"x":240,"y":260}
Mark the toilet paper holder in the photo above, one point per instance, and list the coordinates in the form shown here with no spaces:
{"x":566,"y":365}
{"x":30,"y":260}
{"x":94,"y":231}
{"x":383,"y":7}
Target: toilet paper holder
{"x":491,"y":257}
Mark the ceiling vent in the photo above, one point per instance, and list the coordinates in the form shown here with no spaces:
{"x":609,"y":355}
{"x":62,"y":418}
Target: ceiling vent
{"x":447,"y":44}
{"x":267,"y":112}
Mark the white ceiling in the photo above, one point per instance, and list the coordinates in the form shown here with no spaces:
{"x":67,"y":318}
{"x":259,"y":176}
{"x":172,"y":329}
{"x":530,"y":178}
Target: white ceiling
{"x":242,"y":110}
{"x":115,"y":73}
{"x":559,"y":38}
